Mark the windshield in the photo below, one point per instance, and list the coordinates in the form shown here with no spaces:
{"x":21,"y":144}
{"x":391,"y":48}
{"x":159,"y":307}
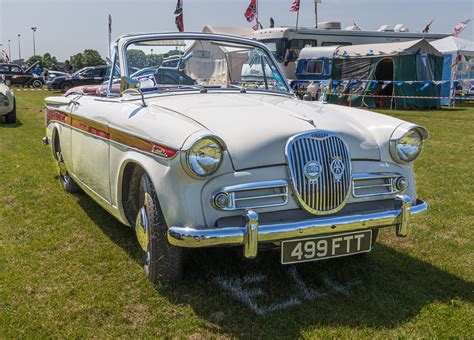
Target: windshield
{"x":182,"y":64}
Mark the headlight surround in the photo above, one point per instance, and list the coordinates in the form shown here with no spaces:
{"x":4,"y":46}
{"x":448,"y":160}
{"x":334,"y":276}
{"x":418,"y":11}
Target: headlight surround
{"x":407,"y":148}
{"x":204,"y":157}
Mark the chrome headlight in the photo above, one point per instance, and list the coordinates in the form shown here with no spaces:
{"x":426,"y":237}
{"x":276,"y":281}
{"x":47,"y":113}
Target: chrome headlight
{"x":204,"y":157}
{"x":406,"y":144}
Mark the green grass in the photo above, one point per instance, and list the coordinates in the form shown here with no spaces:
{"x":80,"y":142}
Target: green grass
{"x":68,"y":269}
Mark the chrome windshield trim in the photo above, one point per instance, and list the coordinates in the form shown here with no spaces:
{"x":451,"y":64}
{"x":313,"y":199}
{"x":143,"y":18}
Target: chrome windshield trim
{"x":125,"y":41}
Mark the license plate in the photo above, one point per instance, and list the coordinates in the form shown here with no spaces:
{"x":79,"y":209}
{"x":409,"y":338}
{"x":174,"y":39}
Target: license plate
{"x":324,"y":247}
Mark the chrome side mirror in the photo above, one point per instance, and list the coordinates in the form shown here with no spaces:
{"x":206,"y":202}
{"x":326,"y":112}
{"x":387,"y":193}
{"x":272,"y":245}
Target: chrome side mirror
{"x":132,"y":86}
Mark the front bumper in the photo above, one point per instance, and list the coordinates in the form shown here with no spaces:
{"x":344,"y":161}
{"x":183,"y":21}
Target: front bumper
{"x":250,"y":235}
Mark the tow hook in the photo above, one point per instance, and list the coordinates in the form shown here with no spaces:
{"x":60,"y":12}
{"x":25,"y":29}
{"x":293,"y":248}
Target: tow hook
{"x":45,"y":140}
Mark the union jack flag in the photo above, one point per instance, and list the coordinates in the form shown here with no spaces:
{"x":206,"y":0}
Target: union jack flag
{"x":5,"y":57}
{"x":178,"y":12}
{"x":295,"y":6}
{"x":460,"y":27}
{"x":251,"y":11}
{"x":257,"y":26}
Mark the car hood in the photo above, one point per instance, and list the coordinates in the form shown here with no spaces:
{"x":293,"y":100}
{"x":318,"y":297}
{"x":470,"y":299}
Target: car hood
{"x":256,"y":127}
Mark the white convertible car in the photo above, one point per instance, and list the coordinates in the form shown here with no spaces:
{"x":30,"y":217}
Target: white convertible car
{"x":7,"y":103}
{"x":229,"y":161}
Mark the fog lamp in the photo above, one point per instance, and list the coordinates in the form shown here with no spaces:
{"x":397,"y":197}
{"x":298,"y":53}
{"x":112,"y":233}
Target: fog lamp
{"x":222,"y":200}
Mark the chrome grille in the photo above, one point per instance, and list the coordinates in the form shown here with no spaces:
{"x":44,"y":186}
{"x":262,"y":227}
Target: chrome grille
{"x":322,"y":153}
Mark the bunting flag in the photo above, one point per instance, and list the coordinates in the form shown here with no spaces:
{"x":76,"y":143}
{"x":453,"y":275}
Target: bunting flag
{"x":295,"y":6}
{"x":427,"y":27}
{"x":251,"y":11}
{"x":5,"y":57}
{"x":178,"y":12}
{"x":460,"y":27}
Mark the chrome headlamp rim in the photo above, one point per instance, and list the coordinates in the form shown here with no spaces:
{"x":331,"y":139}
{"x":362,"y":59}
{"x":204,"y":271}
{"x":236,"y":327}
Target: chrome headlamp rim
{"x":186,"y":152}
{"x":400,"y":133}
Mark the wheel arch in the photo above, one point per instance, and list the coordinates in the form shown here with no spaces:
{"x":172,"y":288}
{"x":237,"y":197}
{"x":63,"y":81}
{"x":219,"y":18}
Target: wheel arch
{"x":127,"y":188}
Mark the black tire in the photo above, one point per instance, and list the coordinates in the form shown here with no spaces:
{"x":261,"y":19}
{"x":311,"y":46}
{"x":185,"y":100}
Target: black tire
{"x":37,"y":84}
{"x":163,"y":263}
{"x":375,"y":234}
{"x":65,"y":86}
{"x":67,"y":182}
{"x":10,"y":117}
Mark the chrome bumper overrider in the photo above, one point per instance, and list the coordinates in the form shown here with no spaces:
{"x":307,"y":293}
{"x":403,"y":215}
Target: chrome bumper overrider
{"x":252,"y":233}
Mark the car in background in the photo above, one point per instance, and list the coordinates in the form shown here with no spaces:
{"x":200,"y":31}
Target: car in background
{"x":93,"y":75}
{"x":51,"y":75}
{"x":7,"y":102}
{"x":164,"y":75}
{"x":16,"y":76}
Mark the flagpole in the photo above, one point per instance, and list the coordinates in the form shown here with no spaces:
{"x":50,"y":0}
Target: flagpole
{"x":256,"y":13}
{"x":297,"y":18}
{"x":110,"y":34}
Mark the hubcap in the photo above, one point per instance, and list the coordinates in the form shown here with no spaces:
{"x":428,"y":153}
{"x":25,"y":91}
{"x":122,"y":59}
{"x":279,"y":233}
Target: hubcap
{"x":141,"y":228}
{"x":62,"y":168}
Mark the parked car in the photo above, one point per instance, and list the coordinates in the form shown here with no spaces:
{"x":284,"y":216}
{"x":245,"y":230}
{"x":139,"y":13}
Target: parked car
{"x":163,"y":75}
{"x":237,"y":164}
{"x":51,"y":75}
{"x":7,"y":102}
{"x":16,"y":76}
{"x":86,"y":76}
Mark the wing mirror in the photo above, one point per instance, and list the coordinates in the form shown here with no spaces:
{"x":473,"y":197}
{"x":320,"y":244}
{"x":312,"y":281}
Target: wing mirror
{"x":132,"y":86}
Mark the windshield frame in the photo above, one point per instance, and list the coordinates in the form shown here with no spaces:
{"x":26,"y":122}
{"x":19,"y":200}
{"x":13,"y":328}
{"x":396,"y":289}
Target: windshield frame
{"x":124,"y":42}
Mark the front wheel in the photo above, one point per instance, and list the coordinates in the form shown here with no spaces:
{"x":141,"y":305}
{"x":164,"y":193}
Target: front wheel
{"x":163,"y":263}
{"x":67,"y":182}
{"x":37,"y":84}
{"x":65,"y":86}
{"x":10,"y":117}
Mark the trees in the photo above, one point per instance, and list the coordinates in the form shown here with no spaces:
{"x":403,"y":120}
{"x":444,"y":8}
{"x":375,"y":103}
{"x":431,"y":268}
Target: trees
{"x":87,"y":58}
{"x":47,"y":60}
{"x":34,"y":59}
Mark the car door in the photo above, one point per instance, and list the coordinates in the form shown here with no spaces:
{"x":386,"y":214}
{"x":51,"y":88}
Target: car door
{"x":90,"y":144}
{"x":17,"y":76}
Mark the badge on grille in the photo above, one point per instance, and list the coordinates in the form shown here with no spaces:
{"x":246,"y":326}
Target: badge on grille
{"x":312,"y":170}
{"x":337,"y":168}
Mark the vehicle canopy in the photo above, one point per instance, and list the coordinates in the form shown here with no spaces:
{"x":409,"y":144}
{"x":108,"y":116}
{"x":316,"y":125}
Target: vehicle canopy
{"x":370,"y":75}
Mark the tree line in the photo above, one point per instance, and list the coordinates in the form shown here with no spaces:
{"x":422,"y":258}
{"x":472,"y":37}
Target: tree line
{"x":79,"y":60}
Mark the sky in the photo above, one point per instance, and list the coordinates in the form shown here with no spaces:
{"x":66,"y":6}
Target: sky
{"x":66,"y":27}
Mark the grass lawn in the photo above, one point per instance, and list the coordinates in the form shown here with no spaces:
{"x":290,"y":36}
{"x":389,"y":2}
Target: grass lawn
{"x":68,"y":269}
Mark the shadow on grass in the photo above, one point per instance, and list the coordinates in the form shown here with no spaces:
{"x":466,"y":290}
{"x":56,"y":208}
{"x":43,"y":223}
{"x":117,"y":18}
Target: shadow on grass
{"x":387,"y":287}
{"x":4,"y":125}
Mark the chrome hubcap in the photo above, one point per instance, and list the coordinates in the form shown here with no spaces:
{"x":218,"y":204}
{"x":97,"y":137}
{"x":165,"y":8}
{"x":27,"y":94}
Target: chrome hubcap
{"x":62,"y":168}
{"x":141,"y":228}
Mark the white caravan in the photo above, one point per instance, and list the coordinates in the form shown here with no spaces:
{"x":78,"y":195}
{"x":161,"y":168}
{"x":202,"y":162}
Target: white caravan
{"x":286,"y":43}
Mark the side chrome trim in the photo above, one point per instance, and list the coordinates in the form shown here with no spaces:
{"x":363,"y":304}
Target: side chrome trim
{"x":246,"y":235}
{"x":111,"y":133}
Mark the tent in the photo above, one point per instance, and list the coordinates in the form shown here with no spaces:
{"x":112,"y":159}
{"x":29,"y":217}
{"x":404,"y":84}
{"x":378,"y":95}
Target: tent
{"x":223,"y":62}
{"x":390,"y":75}
{"x":458,"y":66}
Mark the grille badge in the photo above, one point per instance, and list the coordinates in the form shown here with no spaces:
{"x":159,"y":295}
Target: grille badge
{"x":312,"y":170}
{"x":337,"y":168}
